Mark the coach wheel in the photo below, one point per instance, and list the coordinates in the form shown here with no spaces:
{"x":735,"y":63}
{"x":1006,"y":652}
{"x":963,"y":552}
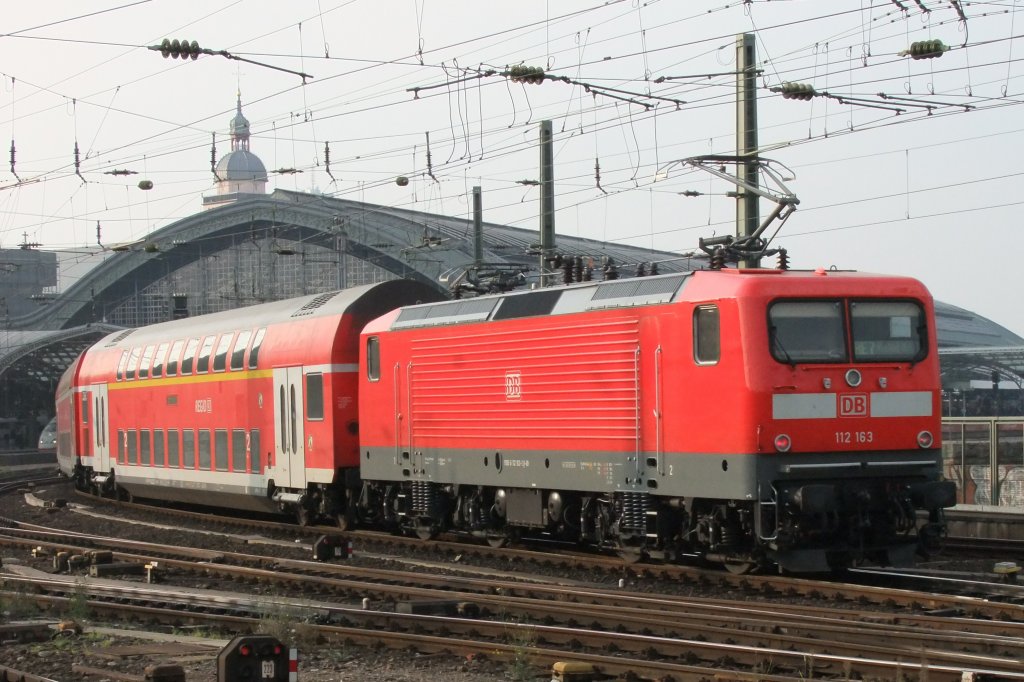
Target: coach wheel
{"x":344,"y":520}
{"x":303,"y":516}
{"x":123,"y":495}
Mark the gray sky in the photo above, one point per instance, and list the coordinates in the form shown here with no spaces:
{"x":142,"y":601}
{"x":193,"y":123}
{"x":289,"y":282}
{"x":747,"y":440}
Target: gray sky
{"x":927,"y":192}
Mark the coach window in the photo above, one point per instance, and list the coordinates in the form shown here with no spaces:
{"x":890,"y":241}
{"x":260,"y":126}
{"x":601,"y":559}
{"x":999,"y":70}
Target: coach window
{"x":220,"y":449}
{"x":254,"y":352}
{"x":158,"y":360}
{"x":293,"y":419}
{"x":85,"y":408}
{"x":706,"y":335}
{"x":121,"y":441}
{"x":254,"y":451}
{"x":238,"y":450}
{"x":203,"y":363}
{"x":373,"y":358}
{"x":158,"y":448}
{"x":173,"y":459}
{"x":204,"y":449}
{"x":188,"y":448}
{"x":121,"y":365}
{"x":133,"y":446}
{"x":147,"y":361}
{"x":144,"y":447}
{"x":315,"y":397}
{"x":220,"y":357}
{"x":283,"y":427}
{"x":238,"y":352}
{"x":172,"y":359}
{"x":133,"y":363}
{"x":190,"y":355}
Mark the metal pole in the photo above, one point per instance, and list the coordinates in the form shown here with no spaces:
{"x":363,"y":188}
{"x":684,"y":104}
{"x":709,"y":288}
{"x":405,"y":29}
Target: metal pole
{"x":547,"y":196}
{"x":747,"y":214}
{"x":478,"y":227}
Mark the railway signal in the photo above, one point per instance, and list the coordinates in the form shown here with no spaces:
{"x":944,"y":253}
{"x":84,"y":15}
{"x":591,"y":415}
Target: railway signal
{"x":253,"y":657}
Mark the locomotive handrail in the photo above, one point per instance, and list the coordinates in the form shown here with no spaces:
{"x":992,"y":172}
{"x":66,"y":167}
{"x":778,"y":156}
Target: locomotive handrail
{"x":658,"y":423}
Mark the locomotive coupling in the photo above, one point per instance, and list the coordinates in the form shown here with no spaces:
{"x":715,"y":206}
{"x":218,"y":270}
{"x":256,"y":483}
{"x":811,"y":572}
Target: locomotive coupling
{"x":933,"y":494}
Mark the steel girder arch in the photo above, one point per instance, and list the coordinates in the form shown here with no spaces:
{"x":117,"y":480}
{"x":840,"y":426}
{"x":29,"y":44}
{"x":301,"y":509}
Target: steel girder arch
{"x":31,"y":368}
{"x":128,"y":269}
{"x":962,"y":365}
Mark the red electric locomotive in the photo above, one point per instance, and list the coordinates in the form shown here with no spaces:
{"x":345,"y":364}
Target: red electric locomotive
{"x":750,"y":417}
{"x":254,"y":408}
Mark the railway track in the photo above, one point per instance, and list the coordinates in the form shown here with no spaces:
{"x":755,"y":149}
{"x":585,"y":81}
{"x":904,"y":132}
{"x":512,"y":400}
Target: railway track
{"x":868,"y":631}
{"x":870,"y":586}
{"x":710,"y":631}
{"x":742,"y":639}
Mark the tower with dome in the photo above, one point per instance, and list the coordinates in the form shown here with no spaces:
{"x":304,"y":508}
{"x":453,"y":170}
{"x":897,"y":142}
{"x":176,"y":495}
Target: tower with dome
{"x":239,"y":173}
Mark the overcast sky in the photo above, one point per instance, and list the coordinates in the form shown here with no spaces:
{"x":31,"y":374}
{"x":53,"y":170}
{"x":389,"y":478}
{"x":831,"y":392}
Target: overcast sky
{"x":910,"y":167}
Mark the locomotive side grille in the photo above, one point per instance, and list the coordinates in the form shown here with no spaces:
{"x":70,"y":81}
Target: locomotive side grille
{"x":545,"y":386}
{"x":636,"y":291}
{"x":317,"y":302}
{"x":470,"y":310}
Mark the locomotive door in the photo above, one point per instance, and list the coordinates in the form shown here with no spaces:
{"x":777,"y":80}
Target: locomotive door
{"x":403,"y":413}
{"x":98,"y":415}
{"x":289,"y":440}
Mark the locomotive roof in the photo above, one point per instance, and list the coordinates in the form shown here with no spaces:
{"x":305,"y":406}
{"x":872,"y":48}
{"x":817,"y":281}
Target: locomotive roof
{"x":369,"y":299}
{"x":619,"y":293}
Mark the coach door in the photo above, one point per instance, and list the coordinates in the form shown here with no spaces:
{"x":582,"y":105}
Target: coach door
{"x":289,"y":448}
{"x":100,"y":423}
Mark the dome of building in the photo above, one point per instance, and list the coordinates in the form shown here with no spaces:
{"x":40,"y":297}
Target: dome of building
{"x":241,"y":165}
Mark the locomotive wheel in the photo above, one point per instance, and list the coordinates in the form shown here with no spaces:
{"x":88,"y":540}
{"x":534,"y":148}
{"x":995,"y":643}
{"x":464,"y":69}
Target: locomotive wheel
{"x":426,"y":532}
{"x":740,"y":567}
{"x":497,"y":541}
{"x":630,"y":555}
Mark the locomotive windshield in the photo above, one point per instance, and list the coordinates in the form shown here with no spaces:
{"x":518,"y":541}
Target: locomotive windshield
{"x":815,"y":331}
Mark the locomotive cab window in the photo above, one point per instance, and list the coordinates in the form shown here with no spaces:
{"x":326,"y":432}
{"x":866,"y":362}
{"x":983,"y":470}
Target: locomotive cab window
{"x":373,"y":358}
{"x":888,"y":331}
{"x":807,"y":331}
{"x":315,"y":397}
{"x":706,"y":335}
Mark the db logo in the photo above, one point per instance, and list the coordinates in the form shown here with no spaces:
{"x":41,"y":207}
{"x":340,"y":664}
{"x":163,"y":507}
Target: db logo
{"x":513,"y":385}
{"x":853,"y":405}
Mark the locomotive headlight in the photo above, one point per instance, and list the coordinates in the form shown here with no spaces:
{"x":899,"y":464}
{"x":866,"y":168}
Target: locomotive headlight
{"x":924,"y":439}
{"x":783,"y":443}
{"x":853,"y":378}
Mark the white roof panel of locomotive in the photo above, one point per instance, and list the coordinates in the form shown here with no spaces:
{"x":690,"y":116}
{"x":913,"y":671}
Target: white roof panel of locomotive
{"x":624,"y":293}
